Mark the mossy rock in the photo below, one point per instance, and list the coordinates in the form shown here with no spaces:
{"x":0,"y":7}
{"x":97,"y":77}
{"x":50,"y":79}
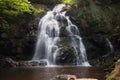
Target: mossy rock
{"x":115,"y":74}
{"x":66,"y":56}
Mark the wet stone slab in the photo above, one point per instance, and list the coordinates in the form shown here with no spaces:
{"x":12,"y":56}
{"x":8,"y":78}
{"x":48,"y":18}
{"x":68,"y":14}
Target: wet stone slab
{"x":49,"y":73}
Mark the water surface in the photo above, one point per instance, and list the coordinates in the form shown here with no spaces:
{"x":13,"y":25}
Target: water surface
{"x":47,"y":73}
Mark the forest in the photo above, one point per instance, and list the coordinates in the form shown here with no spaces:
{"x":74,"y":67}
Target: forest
{"x":98,"y":22}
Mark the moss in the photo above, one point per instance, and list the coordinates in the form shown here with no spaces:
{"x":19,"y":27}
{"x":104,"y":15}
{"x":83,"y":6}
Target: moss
{"x":115,"y":74}
{"x":101,"y":16}
{"x":46,"y":2}
{"x":65,"y":41}
{"x":66,"y":1}
{"x":117,"y":55}
{"x":3,"y":24}
{"x":12,"y":10}
{"x":54,"y":2}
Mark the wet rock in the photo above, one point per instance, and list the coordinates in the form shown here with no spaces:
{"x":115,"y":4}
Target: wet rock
{"x":96,"y":46}
{"x":94,"y":27}
{"x":34,"y":63}
{"x":70,"y":77}
{"x":64,"y":77}
{"x":42,"y":63}
{"x":38,"y":63}
{"x":66,"y":56}
{"x":25,"y":64}
{"x":8,"y":63}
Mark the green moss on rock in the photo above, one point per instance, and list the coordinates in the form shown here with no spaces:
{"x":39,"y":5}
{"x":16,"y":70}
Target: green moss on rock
{"x":115,"y":74}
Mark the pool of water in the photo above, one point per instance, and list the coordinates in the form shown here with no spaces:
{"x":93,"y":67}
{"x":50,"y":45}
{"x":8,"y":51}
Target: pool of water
{"x":47,"y":73}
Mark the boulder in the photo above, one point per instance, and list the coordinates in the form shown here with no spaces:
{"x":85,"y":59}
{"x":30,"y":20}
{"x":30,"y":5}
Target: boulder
{"x":39,"y":63}
{"x":66,"y":56}
{"x":64,"y":77}
{"x":8,"y":63}
{"x":70,"y":77}
{"x":24,"y":64}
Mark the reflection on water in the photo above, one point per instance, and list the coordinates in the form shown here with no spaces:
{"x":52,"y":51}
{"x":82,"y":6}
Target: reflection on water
{"x":47,"y":73}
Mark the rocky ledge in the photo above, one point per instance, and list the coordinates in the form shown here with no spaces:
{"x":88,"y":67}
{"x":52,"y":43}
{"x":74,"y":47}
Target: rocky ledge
{"x":10,"y":63}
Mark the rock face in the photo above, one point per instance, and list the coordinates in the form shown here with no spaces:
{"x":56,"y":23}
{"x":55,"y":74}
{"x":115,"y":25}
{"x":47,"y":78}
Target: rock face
{"x":94,"y":18}
{"x":8,"y":63}
{"x":115,"y":74}
{"x":66,"y":56}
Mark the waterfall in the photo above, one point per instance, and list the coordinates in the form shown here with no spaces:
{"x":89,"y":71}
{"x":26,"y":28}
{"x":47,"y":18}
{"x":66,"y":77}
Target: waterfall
{"x":110,"y":46}
{"x":47,"y":46}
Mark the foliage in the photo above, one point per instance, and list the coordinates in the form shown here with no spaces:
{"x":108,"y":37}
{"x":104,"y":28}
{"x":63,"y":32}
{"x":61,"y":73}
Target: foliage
{"x":115,"y":74}
{"x":71,"y":2}
{"x":66,"y":1}
{"x":15,"y":17}
{"x":81,"y":14}
{"x":10,"y":10}
{"x":103,"y":17}
{"x":4,"y":24}
{"x":46,"y":2}
{"x":53,"y":2}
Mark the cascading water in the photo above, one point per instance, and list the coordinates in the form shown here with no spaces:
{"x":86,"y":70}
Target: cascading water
{"x":47,"y":47}
{"x":110,"y":46}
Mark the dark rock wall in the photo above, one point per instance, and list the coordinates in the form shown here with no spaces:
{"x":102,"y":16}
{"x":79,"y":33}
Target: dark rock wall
{"x":98,"y":20}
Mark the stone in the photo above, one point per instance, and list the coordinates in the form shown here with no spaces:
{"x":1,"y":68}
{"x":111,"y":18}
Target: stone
{"x":25,"y":64}
{"x":38,"y":63}
{"x":86,"y":79}
{"x":70,"y":77}
{"x":43,"y":63}
{"x":66,"y":56}
{"x":8,"y":63}
{"x":64,"y":77}
{"x":34,"y":63}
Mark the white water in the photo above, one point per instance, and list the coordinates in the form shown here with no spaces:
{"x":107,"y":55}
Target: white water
{"x":110,"y":46}
{"x":49,"y":36}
